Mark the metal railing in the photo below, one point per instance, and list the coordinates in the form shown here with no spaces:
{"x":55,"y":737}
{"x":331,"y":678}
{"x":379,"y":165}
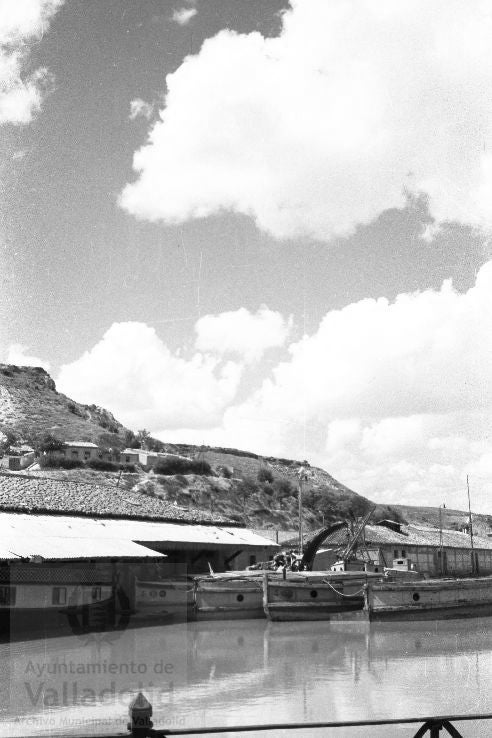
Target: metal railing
{"x":141,"y":726}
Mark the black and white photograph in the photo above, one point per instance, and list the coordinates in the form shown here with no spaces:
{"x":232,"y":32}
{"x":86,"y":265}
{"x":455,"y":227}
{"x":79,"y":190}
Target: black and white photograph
{"x":245,"y":368}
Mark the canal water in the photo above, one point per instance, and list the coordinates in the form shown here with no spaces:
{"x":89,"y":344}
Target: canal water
{"x":249,"y":672}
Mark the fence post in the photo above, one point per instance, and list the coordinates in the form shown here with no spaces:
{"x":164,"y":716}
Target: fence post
{"x":140,"y":711}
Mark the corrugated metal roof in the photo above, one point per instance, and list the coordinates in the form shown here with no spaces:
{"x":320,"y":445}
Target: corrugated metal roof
{"x":51,"y":547}
{"x":81,"y":444}
{"x":88,"y":531}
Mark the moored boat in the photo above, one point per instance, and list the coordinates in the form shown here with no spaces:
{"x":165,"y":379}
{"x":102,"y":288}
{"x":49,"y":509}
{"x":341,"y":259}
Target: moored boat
{"x":31,"y":607}
{"x":230,"y":595}
{"x":429,"y":599}
{"x":315,"y":595}
{"x":166,"y":599}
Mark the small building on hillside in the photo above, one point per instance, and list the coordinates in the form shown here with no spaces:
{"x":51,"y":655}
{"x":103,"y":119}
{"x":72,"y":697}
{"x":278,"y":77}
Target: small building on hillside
{"x":147,"y":459}
{"x":78,"y":451}
{"x":18,"y":457}
{"x":428,"y":550}
{"x":87,"y":451}
{"x":138,"y":456}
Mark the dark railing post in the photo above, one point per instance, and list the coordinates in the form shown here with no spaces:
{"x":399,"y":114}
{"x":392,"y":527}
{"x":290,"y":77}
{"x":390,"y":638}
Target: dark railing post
{"x":140,"y":711}
{"x":434,"y":728}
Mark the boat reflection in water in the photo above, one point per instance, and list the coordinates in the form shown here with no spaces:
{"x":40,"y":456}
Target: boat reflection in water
{"x":253,"y":671}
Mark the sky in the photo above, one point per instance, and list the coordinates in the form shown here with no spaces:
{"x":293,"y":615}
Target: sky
{"x":259,"y":224}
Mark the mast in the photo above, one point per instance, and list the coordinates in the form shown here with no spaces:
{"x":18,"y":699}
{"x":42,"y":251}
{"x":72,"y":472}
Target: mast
{"x":441,"y":562}
{"x":302,"y":473}
{"x":470,"y":524}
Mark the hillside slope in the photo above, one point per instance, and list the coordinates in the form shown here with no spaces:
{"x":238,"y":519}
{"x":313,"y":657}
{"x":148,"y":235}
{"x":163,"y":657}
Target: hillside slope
{"x":31,"y":407}
{"x":448,"y":518}
{"x":244,"y":486}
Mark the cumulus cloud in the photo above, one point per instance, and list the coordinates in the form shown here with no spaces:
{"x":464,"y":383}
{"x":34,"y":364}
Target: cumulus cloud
{"x":134,"y":374}
{"x":426,"y":352}
{"x":183,"y":16}
{"x":393,"y":398}
{"x":327,"y":125}
{"x":21,"y":23}
{"x":243,"y":333}
{"x":16,"y":354}
{"x":140,"y":108}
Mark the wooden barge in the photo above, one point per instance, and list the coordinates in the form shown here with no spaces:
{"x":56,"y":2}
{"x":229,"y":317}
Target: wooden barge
{"x":429,"y":599}
{"x":315,"y":595}
{"x":229,"y":596}
{"x":166,"y":599}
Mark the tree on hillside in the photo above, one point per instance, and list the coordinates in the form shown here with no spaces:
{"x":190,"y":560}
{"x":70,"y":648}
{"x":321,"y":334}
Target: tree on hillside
{"x":143,"y":438}
{"x":247,"y":488}
{"x":130,"y":440}
{"x":11,"y":439}
{"x":50,"y":444}
{"x":153,"y":444}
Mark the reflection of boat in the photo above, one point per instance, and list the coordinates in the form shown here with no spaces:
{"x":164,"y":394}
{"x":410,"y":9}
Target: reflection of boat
{"x":315,"y":595}
{"x":38,"y":606}
{"x":429,"y":599}
{"x":164,"y":598}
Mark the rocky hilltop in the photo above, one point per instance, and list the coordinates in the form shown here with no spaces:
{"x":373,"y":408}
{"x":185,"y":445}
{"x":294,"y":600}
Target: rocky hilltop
{"x":31,"y":407}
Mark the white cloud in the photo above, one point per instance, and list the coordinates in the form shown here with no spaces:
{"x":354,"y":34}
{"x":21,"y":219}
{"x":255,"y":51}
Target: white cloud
{"x":242,"y":332}
{"x":21,"y":23}
{"x":393,"y":398}
{"x":140,"y":108}
{"x":325,"y":126}
{"x":134,"y":374}
{"x":16,"y":354}
{"x":426,"y":352}
{"x":183,"y":16}
{"x":392,"y":436}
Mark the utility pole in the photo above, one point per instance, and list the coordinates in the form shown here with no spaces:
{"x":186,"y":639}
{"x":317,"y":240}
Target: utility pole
{"x":303,"y":475}
{"x":299,"y":499}
{"x":470,"y":525}
{"x":441,"y":562}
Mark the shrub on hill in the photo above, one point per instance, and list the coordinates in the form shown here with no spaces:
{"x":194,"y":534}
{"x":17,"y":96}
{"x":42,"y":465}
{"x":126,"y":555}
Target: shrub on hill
{"x":174,"y":465}
{"x":49,"y":462}
{"x":101,"y":465}
{"x":224,"y":471}
{"x":283,"y":488}
{"x":265,"y":475}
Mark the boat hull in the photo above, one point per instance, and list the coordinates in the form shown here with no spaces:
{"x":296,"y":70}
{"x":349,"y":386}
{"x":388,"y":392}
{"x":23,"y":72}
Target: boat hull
{"x":233,"y":598}
{"x":430,"y":599}
{"x":166,"y":600}
{"x":310,"y":597}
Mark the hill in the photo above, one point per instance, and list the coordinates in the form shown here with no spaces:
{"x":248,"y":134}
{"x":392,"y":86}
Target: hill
{"x":255,"y":490}
{"x":449,"y":518}
{"x":31,"y":407}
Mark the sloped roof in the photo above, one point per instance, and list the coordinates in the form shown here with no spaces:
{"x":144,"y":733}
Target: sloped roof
{"x":410,"y":535}
{"x":65,"y":537}
{"x":29,"y":493}
{"x":59,"y":547}
{"x":81,"y":444}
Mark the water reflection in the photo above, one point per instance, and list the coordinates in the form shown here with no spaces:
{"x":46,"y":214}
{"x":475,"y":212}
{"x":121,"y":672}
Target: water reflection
{"x":246,"y":672}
